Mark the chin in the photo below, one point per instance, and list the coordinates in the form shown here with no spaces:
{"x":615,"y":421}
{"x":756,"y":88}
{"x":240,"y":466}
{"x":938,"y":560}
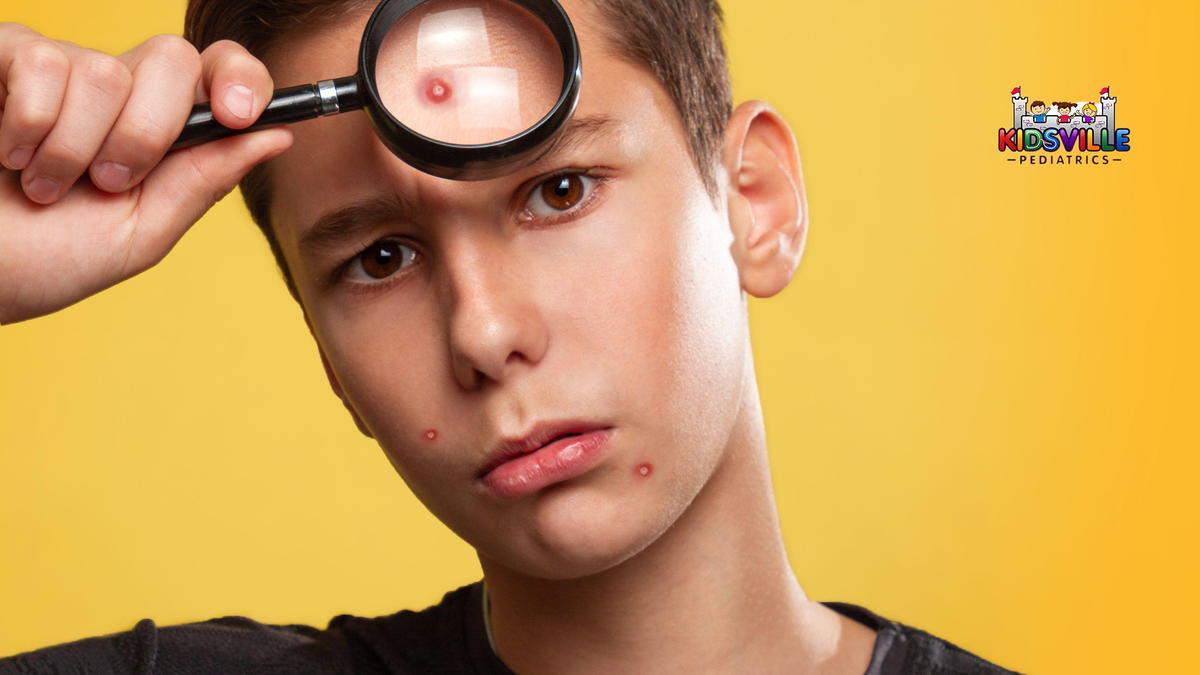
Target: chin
{"x":575,"y":531}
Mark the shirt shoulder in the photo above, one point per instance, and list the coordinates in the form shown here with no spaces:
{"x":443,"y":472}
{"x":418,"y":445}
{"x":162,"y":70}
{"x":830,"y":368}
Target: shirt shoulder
{"x":443,"y":638}
{"x":901,"y":649}
{"x":231,"y":644}
{"x":448,"y":637}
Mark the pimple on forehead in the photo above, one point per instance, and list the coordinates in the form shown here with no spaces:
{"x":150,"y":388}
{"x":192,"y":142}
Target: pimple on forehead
{"x":437,"y":90}
{"x":644,"y":469}
{"x":430,"y":435}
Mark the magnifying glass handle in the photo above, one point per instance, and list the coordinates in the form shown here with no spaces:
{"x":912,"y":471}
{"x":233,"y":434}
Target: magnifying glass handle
{"x":291,"y":104}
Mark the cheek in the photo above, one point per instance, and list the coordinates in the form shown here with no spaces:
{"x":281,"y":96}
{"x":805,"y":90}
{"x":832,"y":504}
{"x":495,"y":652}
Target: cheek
{"x":704,"y":346}
{"x":387,"y":374}
{"x":672,"y":326}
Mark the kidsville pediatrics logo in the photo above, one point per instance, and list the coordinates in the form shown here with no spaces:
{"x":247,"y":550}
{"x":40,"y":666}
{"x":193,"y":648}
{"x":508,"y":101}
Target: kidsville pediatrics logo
{"x":1064,"y":132}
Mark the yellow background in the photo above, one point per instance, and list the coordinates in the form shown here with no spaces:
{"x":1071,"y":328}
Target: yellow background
{"x":980,"y":391}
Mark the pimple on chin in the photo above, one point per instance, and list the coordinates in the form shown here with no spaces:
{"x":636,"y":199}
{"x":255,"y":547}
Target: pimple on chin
{"x":643,"y":470}
{"x":430,"y":435}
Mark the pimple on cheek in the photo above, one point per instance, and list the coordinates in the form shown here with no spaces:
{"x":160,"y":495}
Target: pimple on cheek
{"x":430,"y":435}
{"x":643,"y":470}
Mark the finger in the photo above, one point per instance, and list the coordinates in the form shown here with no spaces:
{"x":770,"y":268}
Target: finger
{"x":188,"y":182}
{"x":165,"y":71}
{"x":97,"y":89}
{"x":34,"y":71}
{"x":238,"y":84}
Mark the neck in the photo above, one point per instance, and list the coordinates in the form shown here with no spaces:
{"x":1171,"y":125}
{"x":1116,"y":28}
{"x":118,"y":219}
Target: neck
{"x":714,"y":592}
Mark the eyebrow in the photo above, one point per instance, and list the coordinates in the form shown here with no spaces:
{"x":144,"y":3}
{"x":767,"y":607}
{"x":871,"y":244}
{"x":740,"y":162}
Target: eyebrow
{"x":579,"y":131}
{"x":333,"y":229}
{"x":346,"y":223}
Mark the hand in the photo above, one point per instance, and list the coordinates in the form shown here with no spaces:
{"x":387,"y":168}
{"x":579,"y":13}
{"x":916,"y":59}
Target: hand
{"x":66,"y":110}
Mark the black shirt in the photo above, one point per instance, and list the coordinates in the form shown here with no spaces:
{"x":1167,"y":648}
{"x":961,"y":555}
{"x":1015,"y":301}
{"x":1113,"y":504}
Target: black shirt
{"x":449,"y":637}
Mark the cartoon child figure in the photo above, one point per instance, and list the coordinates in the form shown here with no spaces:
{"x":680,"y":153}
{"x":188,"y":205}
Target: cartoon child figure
{"x":1038,"y":110}
{"x":1064,"y":110}
{"x":1089,"y":113}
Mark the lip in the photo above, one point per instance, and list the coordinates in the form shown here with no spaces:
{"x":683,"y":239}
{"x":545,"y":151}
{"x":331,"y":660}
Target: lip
{"x":522,"y":466}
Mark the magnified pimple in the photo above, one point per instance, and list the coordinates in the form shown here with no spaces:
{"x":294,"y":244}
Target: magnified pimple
{"x":437,"y":90}
{"x":469,"y":72}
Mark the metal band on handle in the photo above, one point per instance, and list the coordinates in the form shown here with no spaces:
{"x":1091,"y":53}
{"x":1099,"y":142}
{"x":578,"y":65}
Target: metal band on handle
{"x":327,"y":90}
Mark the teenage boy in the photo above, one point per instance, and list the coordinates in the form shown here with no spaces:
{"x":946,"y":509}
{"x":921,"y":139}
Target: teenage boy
{"x":557,"y":362}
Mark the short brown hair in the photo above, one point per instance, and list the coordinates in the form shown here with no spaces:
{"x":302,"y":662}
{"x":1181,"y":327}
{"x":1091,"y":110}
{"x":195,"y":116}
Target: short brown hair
{"x":678,"y":40}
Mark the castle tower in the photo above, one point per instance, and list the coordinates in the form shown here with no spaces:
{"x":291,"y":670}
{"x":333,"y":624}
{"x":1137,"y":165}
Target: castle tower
{"x":1018,"y":107}
{"x":1108,"y":106}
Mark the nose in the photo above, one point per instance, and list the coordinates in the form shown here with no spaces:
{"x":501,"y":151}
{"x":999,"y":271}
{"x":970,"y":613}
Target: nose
{"x":495,"y":325}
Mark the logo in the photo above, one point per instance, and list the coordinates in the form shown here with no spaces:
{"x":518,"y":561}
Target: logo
{"x":1063,"y":132}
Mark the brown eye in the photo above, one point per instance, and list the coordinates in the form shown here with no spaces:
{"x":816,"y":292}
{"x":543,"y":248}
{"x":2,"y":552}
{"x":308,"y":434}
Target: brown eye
{"x":380,"y":260}
{"x":563,"y":192}
{"x":561,"y":195}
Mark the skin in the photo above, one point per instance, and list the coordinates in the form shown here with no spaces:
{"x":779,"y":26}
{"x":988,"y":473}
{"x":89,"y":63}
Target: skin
{"x":628,"y":309}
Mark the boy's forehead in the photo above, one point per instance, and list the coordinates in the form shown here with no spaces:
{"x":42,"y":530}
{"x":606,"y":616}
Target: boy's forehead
{"x":634,"y":105}
{"x":330,"y":49}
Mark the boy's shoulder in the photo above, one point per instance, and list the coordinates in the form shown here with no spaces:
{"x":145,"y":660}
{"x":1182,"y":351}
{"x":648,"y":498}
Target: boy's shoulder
{"x":901,"y":649}
{"x":449,"y":637}
{"x":438,"y":639}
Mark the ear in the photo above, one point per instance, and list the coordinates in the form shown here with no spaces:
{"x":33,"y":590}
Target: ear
{"x":768,"y":212}
{"x":335,"y":384}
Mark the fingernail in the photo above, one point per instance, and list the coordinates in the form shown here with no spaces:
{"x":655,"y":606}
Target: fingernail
{"x":240,"y":101}
{"x":18,"y":159}
{"x":111,"y":176}
{"x":42,"y":189}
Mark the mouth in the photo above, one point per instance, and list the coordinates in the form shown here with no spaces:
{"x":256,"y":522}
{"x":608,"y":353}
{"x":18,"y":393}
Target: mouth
{"x":550,"y":453}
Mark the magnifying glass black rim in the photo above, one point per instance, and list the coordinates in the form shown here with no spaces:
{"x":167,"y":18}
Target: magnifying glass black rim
{"x":467,"y":162}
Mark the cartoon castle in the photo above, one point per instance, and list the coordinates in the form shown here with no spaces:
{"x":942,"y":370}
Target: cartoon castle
{"x":1104,"y":119}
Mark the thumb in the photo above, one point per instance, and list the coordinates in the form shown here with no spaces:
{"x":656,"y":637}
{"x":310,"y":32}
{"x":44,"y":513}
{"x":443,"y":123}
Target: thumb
{"x":188,"y":182}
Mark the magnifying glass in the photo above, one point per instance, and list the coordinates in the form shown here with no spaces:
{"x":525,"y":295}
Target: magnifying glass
{"x":462,"y":89}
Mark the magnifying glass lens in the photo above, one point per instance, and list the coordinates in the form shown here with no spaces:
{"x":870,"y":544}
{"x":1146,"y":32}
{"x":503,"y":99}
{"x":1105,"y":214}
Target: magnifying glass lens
{"x":469,"y":72}
{"x":460,"y":89}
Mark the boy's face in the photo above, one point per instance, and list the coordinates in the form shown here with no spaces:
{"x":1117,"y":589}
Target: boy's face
{"x":623,"y":308}
{"x":1038,"y":109}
